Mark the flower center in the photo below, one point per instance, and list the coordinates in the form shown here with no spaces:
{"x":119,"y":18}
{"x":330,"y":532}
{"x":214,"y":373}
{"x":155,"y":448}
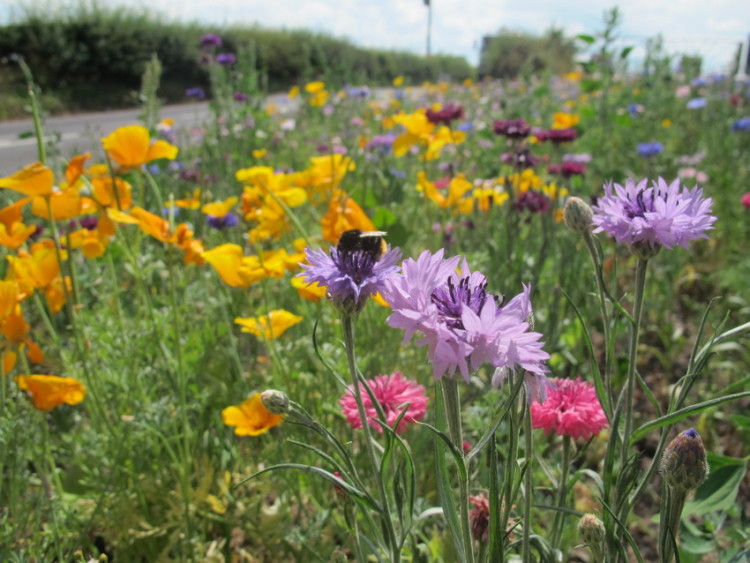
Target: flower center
{"x":357,"y":264}
{"x":450,"y":299}
{"x":642,"y":205}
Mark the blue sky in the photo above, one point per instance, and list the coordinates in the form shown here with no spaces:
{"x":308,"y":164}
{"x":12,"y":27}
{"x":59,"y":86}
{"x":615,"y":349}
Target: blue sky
{"x":710,"y":28}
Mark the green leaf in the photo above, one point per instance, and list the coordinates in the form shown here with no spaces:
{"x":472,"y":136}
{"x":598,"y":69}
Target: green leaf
{"x":676,"y":416}
{"x":590,"y":39}
{"x":719,"y":491}
{"x":383,"y":218}
{"x":626,"y":51}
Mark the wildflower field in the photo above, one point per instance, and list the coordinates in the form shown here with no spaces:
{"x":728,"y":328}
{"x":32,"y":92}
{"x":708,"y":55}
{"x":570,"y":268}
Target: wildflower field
{"x":449,"y":321}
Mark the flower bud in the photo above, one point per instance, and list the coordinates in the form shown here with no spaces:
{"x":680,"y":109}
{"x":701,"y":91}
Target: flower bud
{"x":683,"y":464}
{"x":645,"y":250}
{"x":592,"y":532}
{"x":276,"y":402}
{"x":577,"y":215}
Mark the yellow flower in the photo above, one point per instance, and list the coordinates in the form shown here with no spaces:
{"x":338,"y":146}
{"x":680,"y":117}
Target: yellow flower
{"x":260,"y":153}
{"x":250,"y":418}
{"x":37,"y":268}
{"x":74,"y":170}
{"x":315,"y":87}
{"x":574,"y":76}
{"x":319,"y":99}
{"x":65,"y":204}
{"x":50,"y":391}
{"x":131,"y":147}
{"x":293,"y":92}
{"x":34,"y":180}
{"x":220,"y":208}
{"x":272,"y":109}
{"x":667,"y":123}
{"x":344,"y":215}
{"x":458,"y":193}
{"x":109,"y":193}
{"x":234,"y":268}
{"x":269,"y":326}
{"x":398,"y":81}
{"x":314,"y":292}
{"x":16,"y":235}
{"x":193,"y":202}
{"x":10,"y":295}
{"x":564,"y":120}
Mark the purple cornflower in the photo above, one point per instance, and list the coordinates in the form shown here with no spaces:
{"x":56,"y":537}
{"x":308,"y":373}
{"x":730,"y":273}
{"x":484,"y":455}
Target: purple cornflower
{"x":381,"y":143}
{"x":351,"y":276}
{"x":566,"y":169}
{"x":696,"y":103}
{"x":648,"y":150}
{"x":742,"y":124}
{"x":512,"y":128}
{"x":463,"y":326}
{"x":226,"y":59}
{"x":358,"y":92}
{"x":240,"y":97}
{"x":197,"y":93}
{"x":210,"y":40}
{"x":531,"y":201}
{"x":658,"y":215}
{"x":446,"y":115}
{"x":557,"y":136}
{"x":223,"y":222}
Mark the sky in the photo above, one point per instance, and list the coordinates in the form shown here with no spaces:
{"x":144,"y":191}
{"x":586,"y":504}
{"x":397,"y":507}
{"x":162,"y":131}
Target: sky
{"x":710,"y":28}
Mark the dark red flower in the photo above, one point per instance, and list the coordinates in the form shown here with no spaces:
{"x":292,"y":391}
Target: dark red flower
{"x":512,"y":128}
{"x":449,"y":113}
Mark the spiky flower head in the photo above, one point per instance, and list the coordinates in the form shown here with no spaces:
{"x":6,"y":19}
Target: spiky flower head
{"x":653,"y":216}
{"x":683,"y":464}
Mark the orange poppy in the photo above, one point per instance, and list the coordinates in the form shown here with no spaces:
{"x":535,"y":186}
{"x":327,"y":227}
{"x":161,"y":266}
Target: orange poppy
{"x":250,"y":418}
{"x":50,"y":391}
{"x":131,"y":147}
{"x":33,"y":180}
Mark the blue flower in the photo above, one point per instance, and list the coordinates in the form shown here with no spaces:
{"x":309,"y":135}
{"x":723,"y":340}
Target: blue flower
{"x":650,"y":149}
{"x":696,"y":103}
{"x":742,"y":124}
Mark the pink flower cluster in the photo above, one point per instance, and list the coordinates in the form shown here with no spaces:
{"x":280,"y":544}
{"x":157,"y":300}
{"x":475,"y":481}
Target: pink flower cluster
{"x":393,"y":392}
{"x":571,"y":409}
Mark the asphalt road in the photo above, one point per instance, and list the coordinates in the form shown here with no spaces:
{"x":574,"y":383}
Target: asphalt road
{"x":81,"y":132}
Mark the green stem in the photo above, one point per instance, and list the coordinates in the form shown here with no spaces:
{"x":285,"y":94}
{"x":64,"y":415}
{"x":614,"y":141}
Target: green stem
{"x":562,"y":493}
{"x":348,"y":326}
{"x":672,"y":503}
{"x":640,"y":286}
{"x":35,"y":113}
{"x":510,"y":470}
{"x":453,"y":416}
{"x":601,"y":293}
{"x":528,"y":485}
{"x":49,"y":461}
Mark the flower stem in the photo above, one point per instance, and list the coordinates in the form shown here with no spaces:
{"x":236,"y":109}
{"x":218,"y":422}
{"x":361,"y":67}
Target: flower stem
{"x":453,"y":416}
{"x":527,"y":485}
{"x":601,"y":293}
{"x":348,"y":325}
{"x":672,"y":503}
{"x":562,"y":493}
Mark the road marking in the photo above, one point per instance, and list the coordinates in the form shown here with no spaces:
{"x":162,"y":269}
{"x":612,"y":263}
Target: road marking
{"x":10,"y":142}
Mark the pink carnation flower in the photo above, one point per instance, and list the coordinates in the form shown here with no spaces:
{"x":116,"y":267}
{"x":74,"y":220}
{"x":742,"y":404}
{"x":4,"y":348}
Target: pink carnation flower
{"x":393,"y":392}
{"x":571,"y":409}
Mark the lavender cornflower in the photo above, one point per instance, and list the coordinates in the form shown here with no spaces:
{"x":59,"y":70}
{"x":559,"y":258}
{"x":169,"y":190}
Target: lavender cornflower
{"x":240,"y":97}
{"x":696,"y":103}
{"x":197,"y":93}
{"x":462,"y":324}
{"x":648,"y":150}
{"x":210,"y":40}
{"x":658,"y":215}
{"x":226,"y":59}
{"x":351,"y":276}
{"x":742,"y":124}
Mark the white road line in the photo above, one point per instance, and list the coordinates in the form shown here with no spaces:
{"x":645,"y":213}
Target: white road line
{"x":16,"y":142}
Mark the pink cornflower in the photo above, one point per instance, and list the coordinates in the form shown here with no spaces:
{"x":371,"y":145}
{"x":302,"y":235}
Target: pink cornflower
{"x":745,"y":200}
{"x":394,"y":392}
{"x":571,"y":409}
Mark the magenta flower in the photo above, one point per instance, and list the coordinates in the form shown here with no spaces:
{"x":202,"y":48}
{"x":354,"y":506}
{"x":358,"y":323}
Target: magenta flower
{"x":394,"y":393}
{"x":462,"y":325}
{"x":512,"y":128}
{"x":571,"y":409}
{"x":350,"y":276}
{"x":658,"y":215}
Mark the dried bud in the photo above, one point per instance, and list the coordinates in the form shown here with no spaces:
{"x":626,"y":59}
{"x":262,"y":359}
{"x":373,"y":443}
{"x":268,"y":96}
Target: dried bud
{"x":480,"y":518}
{"x":276,"y":402}
{"x":683,"y":464}
{"x":592,"y":532}
{"x":577,"y":215}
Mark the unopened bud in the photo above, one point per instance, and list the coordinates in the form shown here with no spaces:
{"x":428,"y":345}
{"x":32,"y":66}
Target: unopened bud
{"x":683,"y":464}
{"x":592,"y":532}
{"x":645,"y":250}
{"x":577,"y":215}
{"x":276,"y":402}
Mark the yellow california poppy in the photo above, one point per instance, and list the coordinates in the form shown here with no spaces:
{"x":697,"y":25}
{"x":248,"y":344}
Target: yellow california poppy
{"x":250,"y":418}
{"x":269,"y":326}
{"x":343,"y":215}
{"x":50,"y":391}
{"x":131,"y":147}
{"x":312,"y":292}
{"x":34,"y":179}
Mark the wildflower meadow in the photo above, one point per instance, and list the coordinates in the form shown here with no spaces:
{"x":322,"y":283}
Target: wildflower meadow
{"x":458,"y":320}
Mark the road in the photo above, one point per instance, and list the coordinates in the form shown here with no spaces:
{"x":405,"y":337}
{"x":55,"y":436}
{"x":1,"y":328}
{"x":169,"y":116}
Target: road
{"x":81,"y":132}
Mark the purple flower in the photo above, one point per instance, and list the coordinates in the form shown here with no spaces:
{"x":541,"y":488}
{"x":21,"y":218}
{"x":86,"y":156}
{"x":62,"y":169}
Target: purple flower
{"x":197,"y":93}
{"x":742,"y":124}
{"x":648,"y":150}
{"x":658,"y":215}
{"x":567,"y":169}
{"x":210,"y":40}
{"x":445,"y":115}
{"x":358,"y":92}
{"x":512,"y":128}
{"x":223,"y":222}
{"x":462,"y":325}
{"x":696,"y":103}
{"x":351,"y":276}
{"x":557,"y":136}
{"x":226,"y":59}
{"x":240,"y":97}
{"x":521,"y":159}
{"x":531,"y":201}
{"x":381,"y":143}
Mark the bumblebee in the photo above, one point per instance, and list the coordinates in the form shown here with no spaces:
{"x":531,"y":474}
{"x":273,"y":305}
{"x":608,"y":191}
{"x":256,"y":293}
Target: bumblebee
{"x":371,"y":242}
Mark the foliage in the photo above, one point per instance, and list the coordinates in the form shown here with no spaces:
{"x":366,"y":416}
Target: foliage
{"x":508,"y":54}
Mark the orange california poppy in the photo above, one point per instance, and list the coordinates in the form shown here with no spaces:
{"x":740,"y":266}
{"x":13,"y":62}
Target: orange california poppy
{"x":279,"y":320}
{"x":250,"y":418}
{"x":343,"y":215}
{"x":33,"y":180}
{"x":50,"y":391}
{"x":131,"y":147}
